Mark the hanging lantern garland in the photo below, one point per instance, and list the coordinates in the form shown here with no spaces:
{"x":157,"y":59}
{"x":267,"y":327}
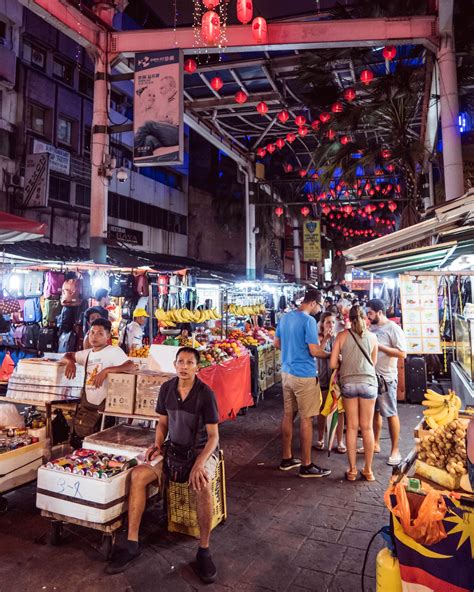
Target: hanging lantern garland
{"x":389,"y":52}
{"x":260,"y":30}
{"x":211,"y":28}
{"x":210,"y":23}
{"x":366,"y":77}
{"x":283,"y":116}
{"x":244,"y":11}
{"x":211,"y":4}
{"x":279,"y":211}
{"x":217,"y":83}
{"x":190,"y":66}
{"x":240,"y":97}
{"x":262,"y":108}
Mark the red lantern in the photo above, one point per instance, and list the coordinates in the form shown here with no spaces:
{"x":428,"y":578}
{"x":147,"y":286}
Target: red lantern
{"x":315,"y":124}
{"x":217,"y":83}
{"x":325,"y":117}
{"x":331,"y":134}
{"x":211,"y":4}
{"x":261,"y":152}
{"x":240,"y":97}
{"x":300,"y":120}
{"x":290,"y":138}
{"x":302,"y":173}
{"x":315,"y":176}
{"x":262,"y":108}
{"x":348,"y":209}
{"x":390,"y":168}
{"x":279,"y":211}
{"x":190,"y":66}
{"x":280,"y":143}
{"x":305,"y":210}
{"x":382,"y":205}
{"x":210,"y":27}
{"x":337,"y":107}
{"x":310,"y":197}
{"x":271,"y":148}
{"x":326,"y":210}
{"x":244,"y":11}
{"x":287,"y":167}
{"x":259,"y":30}
{"x":283,"y":116}
{"x":350,"y":94}
{"x":366,"y":76}
{"x":345,"y":140}
{"x":389,"y":52}
{"x":392,"y":206}
{"x":302,"y":131}
{"x":386,"y":153}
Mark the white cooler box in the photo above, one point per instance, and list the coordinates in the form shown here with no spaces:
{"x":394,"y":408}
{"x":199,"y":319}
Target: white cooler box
{"x":19,"y":466}
{"x":94,"y":500}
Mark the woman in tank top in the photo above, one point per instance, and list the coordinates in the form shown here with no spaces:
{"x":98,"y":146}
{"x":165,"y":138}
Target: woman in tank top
{"x":359,"y":387}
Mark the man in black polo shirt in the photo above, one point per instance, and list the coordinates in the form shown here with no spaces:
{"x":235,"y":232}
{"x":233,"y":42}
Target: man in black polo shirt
{"x":184,"y":404}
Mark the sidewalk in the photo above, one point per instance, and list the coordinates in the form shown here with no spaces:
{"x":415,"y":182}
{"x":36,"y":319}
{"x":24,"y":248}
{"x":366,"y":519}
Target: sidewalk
{"x":282,"y":532}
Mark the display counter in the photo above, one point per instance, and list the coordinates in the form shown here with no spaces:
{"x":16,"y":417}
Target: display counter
{"x":462,"y":370}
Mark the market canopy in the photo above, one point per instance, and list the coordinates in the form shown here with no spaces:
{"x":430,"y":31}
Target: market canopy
{"x":15,"y":228}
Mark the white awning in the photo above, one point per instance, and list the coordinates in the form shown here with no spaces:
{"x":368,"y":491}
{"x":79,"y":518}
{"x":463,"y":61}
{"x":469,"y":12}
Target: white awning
{"x":446,"y":217}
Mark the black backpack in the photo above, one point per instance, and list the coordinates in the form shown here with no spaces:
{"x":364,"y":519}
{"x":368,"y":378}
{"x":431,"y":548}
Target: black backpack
{"x":69,"y":316}
{"x":31,"y":336}
{"x":67,"y":342}
{"x":122,"y":285}
{"x":48,"y":340}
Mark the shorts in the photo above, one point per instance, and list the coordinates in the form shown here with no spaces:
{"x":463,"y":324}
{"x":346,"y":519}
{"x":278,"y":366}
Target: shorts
{"x":301,"y":395}
{"x":157,"y":467}
{"x":387,"y":404}
{"x":363,"y":391}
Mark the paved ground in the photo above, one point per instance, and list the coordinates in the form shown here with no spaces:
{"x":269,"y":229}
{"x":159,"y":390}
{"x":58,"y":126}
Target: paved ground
{"x":282,"y":533}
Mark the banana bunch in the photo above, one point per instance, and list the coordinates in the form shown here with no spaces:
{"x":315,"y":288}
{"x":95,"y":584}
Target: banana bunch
{"x":169,"y":318}
{"x":440,"y":410}
{"x":245,"y":311}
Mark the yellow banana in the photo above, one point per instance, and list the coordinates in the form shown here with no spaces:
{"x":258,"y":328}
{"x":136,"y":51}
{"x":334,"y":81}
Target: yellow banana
{"x":448,"y":417}
{"x":457,"y":403}
{"x":433,"y":396}
{"x":440,"y":417}
{"x":428,"y":403}
{"x":431,"y":423}
{"x":434,"y":411}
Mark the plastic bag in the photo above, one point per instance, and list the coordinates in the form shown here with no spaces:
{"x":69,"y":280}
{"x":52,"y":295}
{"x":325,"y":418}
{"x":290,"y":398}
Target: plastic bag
{"x":10,"y":417}
{"x":7,"y":367}
{"x":427,"y":527}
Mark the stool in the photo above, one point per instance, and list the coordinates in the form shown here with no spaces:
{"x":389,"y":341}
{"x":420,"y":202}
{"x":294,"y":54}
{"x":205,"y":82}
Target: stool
{"x":182,"y":505}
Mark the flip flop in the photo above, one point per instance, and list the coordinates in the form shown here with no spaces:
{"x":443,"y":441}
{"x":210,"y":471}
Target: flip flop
{"x":351,"y":475}
{"x":319,"y":445}
{"x":367,"y":475}
{"x":361,"y":450}
{"x":341,"y":449}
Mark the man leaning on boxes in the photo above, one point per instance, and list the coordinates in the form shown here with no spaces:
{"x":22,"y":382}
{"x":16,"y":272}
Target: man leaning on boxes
{"x":188,"y":415}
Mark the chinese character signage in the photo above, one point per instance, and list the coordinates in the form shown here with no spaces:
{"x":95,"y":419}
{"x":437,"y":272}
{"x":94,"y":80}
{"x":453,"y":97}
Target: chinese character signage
{"x":158,"y":108}
{"x":312,"y":241}
{"x":419,"y":298}
{"x":35,"y":194}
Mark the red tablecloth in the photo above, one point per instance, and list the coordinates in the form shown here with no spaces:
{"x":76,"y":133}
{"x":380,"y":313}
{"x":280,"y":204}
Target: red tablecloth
{"x":231,"y":383}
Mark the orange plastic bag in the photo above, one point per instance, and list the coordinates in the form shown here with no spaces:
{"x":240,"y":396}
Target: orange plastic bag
{"x":7,"y":367}
{"x":427,"y":526}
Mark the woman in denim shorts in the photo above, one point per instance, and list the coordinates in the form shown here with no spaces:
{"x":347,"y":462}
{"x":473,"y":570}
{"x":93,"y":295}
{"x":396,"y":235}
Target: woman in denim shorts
{"x":359,"y":388}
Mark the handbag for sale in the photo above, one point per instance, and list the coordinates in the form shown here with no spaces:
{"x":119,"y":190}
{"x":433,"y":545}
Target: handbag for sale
{"x":87,"y":418}
{"x":9,"y":306}
{"x":382,"y":386}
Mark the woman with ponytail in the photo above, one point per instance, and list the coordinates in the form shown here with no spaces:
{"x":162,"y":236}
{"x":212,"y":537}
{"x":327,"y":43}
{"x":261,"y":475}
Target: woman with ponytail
{"x":355,"y":353}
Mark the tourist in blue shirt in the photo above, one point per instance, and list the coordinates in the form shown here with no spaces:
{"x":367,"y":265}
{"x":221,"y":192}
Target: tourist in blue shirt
{"x":297,"y":337}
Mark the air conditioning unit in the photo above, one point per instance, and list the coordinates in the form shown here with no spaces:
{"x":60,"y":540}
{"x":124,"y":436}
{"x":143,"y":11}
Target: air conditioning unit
{"x":18,"y":180}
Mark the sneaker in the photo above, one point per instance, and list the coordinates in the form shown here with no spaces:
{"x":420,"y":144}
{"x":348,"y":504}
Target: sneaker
{"x":394,"y":460}
{"x":121,"y":560}
{"x":313,"y":470}
{"x":289,"y":463}
{"x":205,"y":567}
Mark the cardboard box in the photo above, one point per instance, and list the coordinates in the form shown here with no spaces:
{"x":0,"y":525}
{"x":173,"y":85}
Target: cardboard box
{"x":121,"y":393}
{"x":147,"y":391}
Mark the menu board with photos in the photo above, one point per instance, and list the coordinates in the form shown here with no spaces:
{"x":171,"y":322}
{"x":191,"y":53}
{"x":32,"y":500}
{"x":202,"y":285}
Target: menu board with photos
{"x":419,"y":298}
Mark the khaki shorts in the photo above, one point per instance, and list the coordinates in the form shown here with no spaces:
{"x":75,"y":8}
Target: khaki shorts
{"x":156,"y":466}
{"x":301,"y":395}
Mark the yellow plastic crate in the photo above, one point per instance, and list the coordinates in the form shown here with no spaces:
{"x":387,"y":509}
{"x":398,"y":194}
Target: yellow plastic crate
{"x":182,"y":507}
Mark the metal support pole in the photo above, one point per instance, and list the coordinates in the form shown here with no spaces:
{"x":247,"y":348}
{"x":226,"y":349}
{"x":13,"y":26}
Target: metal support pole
{"x":100,"y":145}
{"x":250,"y":226}
{"x":296,"y":250}
{"x":452,"y":150}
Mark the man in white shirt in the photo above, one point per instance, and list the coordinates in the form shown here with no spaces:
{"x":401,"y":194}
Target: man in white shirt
{"x":100,"y":361}
{"x":134,"y":331}
{"x":392,"y":347}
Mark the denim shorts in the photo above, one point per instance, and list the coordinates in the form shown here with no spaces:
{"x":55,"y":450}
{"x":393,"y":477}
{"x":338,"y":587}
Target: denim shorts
{"x":387,"y":404}
{"x":364,"y":391}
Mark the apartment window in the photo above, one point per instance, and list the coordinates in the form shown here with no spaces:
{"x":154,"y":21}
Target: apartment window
{"x":59,"y":189}
{"x":83,"y":196}
{"x":87,"y":141}
{"x":86,"y":85}
{"x":64,"y":131}
{"x":63,"y":71}
{"x":34,"y":55}
{"x":37,"y":118}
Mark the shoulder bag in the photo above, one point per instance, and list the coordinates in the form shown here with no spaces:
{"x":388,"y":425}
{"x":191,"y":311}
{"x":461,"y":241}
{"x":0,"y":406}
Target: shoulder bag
{"x":87,"y":418}
{"x":381,"y":382}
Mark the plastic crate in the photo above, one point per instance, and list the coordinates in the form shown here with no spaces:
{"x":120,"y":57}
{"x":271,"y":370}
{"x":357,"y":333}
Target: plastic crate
{"x":182,"y":506}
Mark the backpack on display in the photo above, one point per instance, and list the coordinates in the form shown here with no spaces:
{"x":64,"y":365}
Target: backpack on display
{"x":34,"y":284}
{"x":9,"y":306}
{"x":71,"y":294}
{"x":67,"y":342}
{"x":19,"y":335}
{"x":121,"y":285}
{"x":32,"y":311}
{"x":31,"y":336}
{"x":52,"y":308}
{"x":17,"y":316}
{"x":15,"y":288}
{"x":141,"y":284}
{"x":86,"y":285}
{"x":53,"y":284}
{"x":5,"y":324}
{"x":68,"y":318}
{"x":47,"y":340}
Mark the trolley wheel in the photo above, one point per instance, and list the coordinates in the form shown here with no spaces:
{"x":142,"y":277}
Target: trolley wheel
{"x":56,"y":533}
{"x":3,"y":505}
{"x":107,"y":546}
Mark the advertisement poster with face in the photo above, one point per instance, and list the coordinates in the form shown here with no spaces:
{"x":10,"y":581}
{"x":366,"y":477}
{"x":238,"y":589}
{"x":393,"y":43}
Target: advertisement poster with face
{"x":158,"y":108}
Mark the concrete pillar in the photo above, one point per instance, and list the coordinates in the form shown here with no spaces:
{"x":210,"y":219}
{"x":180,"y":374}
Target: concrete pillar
{"x":296,"y":249}
{"x":100,"y":148}
{"x":250,"y":236}
{"x":452,"y":150}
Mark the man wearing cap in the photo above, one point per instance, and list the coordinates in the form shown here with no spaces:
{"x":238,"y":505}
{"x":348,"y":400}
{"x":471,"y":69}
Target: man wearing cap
{"x":134,"y":331}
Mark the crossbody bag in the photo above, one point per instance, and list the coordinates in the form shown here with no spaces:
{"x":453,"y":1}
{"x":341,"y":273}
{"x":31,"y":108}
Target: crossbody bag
{"x":381,"y":382}
{"x":87,"y":418}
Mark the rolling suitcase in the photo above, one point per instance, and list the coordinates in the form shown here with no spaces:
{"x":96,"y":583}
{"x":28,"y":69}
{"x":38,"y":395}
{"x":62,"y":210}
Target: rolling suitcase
{"x":415,"y":378}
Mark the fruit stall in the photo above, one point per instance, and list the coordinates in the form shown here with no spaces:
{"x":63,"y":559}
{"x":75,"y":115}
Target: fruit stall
{"x":431,"y":499}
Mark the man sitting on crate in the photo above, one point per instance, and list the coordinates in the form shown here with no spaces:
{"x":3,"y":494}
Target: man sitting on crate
{"x":188,"y":415}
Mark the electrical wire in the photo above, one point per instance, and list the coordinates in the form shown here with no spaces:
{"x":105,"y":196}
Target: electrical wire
{"x":367,"y":556}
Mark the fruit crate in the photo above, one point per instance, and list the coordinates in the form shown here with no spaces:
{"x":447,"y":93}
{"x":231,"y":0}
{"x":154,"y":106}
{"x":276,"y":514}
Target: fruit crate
{"x":182,"y":507}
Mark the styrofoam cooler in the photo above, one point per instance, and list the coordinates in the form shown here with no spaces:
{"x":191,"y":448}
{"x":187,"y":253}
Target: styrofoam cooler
{"x":19,"y":466}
